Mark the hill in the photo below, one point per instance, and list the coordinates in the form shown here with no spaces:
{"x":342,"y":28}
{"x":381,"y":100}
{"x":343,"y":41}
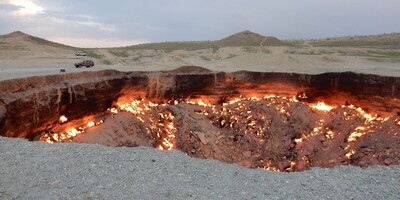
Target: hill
{"x":21,"y":41}
{"x":248,"y":38}
{"x":18,"y":44}
{"x":385,"y":41}
{"x":242,"y":39}
{"x":19,"y":37}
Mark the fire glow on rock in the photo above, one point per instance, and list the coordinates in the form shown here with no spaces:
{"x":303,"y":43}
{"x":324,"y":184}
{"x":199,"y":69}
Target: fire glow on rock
{"x":257,"y":125}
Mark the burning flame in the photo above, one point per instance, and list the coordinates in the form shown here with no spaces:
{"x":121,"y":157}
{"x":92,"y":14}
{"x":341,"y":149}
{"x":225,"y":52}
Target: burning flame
{"x":68,"y":134}
{"x":350,"y":154}
{"x":63,"y":119}
{"x":321,"y":106}
{"x":163,"y":126}
{"x":315,"y":131}
{"x":237,"y":115}
{"x":330,"y":134}
{"x":359,"y":131}
{"x":90,"y":124}
{"x":168,"y":138}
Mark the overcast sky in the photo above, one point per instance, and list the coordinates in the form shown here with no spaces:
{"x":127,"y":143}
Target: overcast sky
{"x":99,"y":23}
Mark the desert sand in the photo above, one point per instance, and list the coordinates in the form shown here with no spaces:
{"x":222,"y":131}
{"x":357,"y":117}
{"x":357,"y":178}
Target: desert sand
{"x":20,"y":56}
{"x":79,"y":171}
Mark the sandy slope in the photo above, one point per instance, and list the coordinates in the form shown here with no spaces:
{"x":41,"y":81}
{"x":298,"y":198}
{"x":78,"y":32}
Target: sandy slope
{"x":76,"y":171}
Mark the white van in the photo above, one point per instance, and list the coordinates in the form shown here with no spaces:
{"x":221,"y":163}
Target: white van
{"x":80,"y":53}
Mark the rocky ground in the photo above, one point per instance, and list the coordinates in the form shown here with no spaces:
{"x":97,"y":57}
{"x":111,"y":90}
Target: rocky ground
{"x":35,"y":170}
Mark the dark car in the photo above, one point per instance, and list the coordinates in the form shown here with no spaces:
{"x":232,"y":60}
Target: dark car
{"x":85,"y":63}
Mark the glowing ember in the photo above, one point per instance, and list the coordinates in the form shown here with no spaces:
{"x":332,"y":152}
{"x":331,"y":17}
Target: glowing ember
{"x":90,"y":124}
{"x":350,"y":154}
{"x":68,"y":134}
{"x":113,"y":110}
{"x":63,"y":119}
{"x":355,"y":135}
{"x":315,"y":131}
{"x":241,"y":121}
{"x":268,"y":166}
{"x":322,"y":107}
{"x":330,"y":135}
{"x":162,"y":126}
{"x":168,"y":136}
{"x":298,"y":140}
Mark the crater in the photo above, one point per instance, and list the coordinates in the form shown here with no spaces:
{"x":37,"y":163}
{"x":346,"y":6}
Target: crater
{"x":276,"y":121}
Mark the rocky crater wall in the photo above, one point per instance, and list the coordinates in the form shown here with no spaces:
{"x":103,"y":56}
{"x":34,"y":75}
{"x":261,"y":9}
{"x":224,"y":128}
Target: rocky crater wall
{"x":31,"y":105}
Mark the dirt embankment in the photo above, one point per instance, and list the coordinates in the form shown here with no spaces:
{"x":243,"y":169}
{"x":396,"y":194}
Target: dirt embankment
{"x":278,"y":133}
{"x":30,"y":105}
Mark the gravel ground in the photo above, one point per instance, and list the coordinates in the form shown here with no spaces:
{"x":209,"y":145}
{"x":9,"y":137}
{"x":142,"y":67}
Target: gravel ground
{"x":34,"y":170}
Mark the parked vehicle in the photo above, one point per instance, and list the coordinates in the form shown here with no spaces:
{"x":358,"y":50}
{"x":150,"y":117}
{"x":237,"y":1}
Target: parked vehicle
{"x":85,"y":63}
{"x":80,"y":53}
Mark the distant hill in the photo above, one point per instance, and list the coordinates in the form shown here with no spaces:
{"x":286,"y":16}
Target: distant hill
{"x":248,"y":38}
{"x":19,"y":41}
{"x":19,"y":37}
{"x":242,"y":39}
{"x":171,"y":46}
{"x":388,"y":41}
{"x":18,"y":44}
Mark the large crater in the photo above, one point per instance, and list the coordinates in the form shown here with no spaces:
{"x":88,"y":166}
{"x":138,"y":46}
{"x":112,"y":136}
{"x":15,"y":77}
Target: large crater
{"x":277,"y":121}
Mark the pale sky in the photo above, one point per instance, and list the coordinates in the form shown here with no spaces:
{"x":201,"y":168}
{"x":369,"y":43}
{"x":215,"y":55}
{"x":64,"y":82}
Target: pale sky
{"x":101,"y":23}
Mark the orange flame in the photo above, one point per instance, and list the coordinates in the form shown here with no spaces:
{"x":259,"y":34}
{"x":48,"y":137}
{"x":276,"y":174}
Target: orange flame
{"x":233,"y":114}
{"x":321,"y":106}
{"x":90,"y":124}
{"x":359,"y":131}
{"x":63,"y":119}
{"x":68,"y":134}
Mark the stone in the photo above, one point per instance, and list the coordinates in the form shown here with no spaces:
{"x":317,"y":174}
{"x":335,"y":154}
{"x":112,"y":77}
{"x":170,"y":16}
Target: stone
{"x":247,"y":154}
{"x":202,"y":137}
{"x":388,"y":161}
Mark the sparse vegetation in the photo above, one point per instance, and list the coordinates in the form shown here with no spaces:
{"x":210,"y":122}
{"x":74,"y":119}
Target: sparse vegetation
{"x":250,"y":49}
{"x":94,"y":55}
{"x":231,"y":56}
{"x":205,"y":58}
{"x":13,"y":48}
{"x":389,"y":60}
{"x":213,"y":57}
{"x":136,"y":59}
{"x":41,"y":41}
{"x":375,"y":55}
{"x":215,"y":49}
{"x":172,"y":46}
{"x":385,"y":41}
{"x":266,"y":51}
{"x":309,"y":51}
{"x":119,"y":52}
{"x":106,"y":62}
